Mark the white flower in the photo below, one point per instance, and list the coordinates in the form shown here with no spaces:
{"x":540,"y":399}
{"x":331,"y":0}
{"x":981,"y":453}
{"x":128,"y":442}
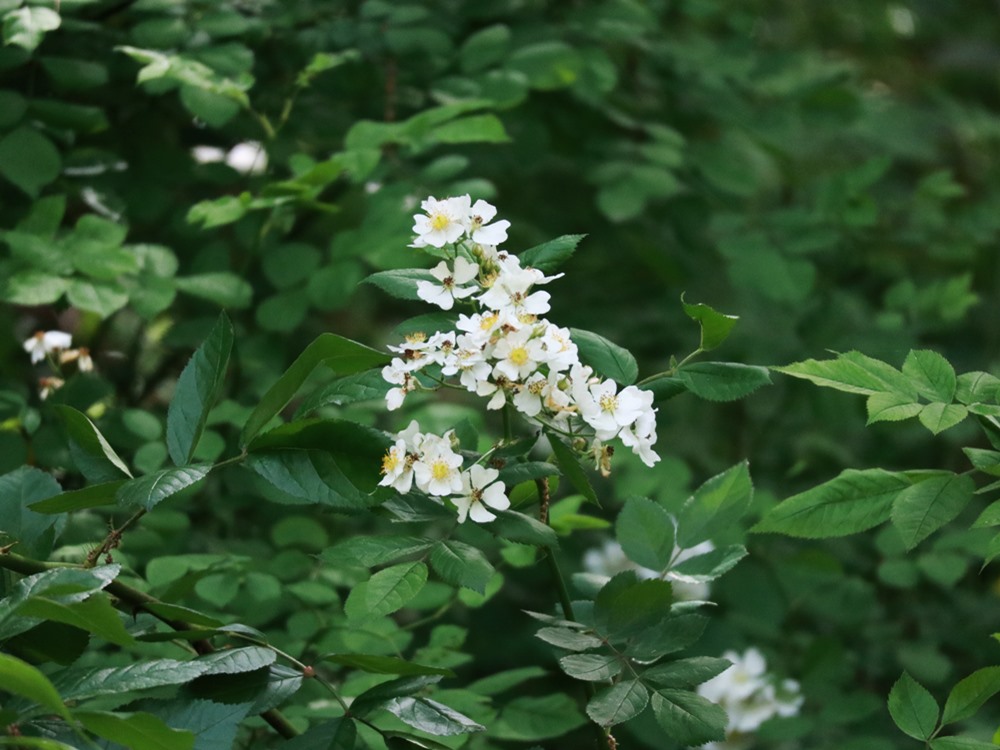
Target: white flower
{"x":84,"y":362}
{"x":397,"y":372}
{"x":207,"y":154}
{"x":511,"y":292}
{"x":442,"y":222}
{"x":607,"y":411}
{"x":513,"y":353}
{"x":46,"y":342}
{"x":557,"y":350}
{"x":480,"y":327}
{"x":530,"y":394}
{"x":47,"y":386}
{"x":397,"y":468}
{"x":479,"y":227}
{"x":449,"y":289}
{"x":479,"y":491}
{"x":438,"y":469}
{"x":609,"y":560}
{"x":248,"y":157}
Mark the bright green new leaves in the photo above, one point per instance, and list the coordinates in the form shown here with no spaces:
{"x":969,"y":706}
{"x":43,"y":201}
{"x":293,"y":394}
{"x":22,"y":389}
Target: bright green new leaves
{"x":717,"y":504}
{"x":139,"y":731}
{"x":687,"y":717}
{"x":20,"y":678}
{"x":852,"y":372}
{"x":938,"y":417}
{"x":715,"y":326}
{"x":606,"y":357}
{"x":931,"y":374}
{"x":645,"y":531}
{"x":970,"y":694}
{"x":852,"y":502}
{"x":923,"y":508}
{"x":341,"y":355}
{"x":149,"y":491}
{"x":25,"y":27}
{"x":198,"y":388}
{"x":913,"y":708}
{"x":386,"y":592}
{"x":548,"y":256}
{"x":622,"y":701}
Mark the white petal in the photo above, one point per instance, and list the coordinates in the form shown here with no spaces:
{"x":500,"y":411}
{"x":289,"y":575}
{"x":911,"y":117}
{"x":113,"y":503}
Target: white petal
{"x":479,"y":514}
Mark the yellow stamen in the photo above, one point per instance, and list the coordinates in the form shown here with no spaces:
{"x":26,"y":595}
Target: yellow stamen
{"x":519,"y":356}
{"x":390,"y":461}
{"x":439,"y":221}
{"x":608,"y":403}
{"x":440,"y":470}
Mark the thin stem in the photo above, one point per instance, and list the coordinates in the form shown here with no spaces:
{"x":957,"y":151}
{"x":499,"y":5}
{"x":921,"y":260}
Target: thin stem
{"x":672,"y":370}
{"x":508,"y":432}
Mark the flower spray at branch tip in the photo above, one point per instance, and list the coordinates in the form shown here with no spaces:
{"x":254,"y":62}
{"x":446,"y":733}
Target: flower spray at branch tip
{"x":503,"y":349}
{"x":750,"y":697}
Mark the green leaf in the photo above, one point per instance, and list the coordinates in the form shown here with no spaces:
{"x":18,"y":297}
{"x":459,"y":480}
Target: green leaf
{"x":854,"y":501}
{"x":645,"y":530}
{"x":606,"y":357}
{"x":547,"y":64}
{"x":19,"y":743}
{"x":711,"y":565}
{"x":977,"y":386}
{"x":591,"y":667}
{"x":891,"y":407}
{"x":400,"y":283}
{"x":548,"y":256}
{"x":567,"y":461}
{"x":715,"y":506}
{"x":961,"y":743}
{"x":222,"y":288}
{"x":93,"y":682}
{"x":432,"y":717}
{"x":852,"y":372}
{"x":19,"y":490}
{"x":95,"y":496}
{"x":970,"y":694}
{"x":374,"y":697}
{"x":485,"y":128}
{"x":501,"y":682}
{"x":485,"y":48}
{"x":620,"y":702}
{"x":371,"y":551}
{"x":939,"y":417}
{"x":92,"y":454}
{"x":722,"y":381}
{"x":673,"y":634}
{"x":913,"y":708}
{"x":334,"y":734}
{"x":386,"y":591}
{"x":931,"y":374}
{"x":102,"y":297}
{"x":25,"y":27}
{"x":138,"y":731}
{"x":29,"y":160}
{"x":384,"y":665}
{"x":923,"y":508}
{"x":687,"y":717}
{"x":462,"y":565}
{"x":94,"y":615}
{"x":624,"y":607}
{"x":715,"y":326}
{"x":149,"y":491}
{"x":362,"y":386}
{"x":686,"y":673}
{"x":198,"y":388}
{"x":309,"y":477}
{"x":20,"y":678}
{"x":531,"y":718}
{"x":341,"y":355}
{"x":571,"y":640}
{"x":518,"y":527}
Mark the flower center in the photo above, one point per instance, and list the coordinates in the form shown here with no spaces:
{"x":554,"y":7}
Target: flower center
{"x":519,"y":356}
{"x":439,"y":222}
{"x":488,"y":321}
{"x":440,"y":470}
{"x":608,"y":403}
{"x":390,"y":461}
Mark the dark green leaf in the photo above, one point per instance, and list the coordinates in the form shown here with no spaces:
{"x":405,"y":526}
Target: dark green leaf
{"x":961,"y":743}
{"x":92,"y":454}
{"x":591,"y":667}
{"x":384,"y":665}
{"x":401,"y":283}
{"x":620,"y":702}
{"x":432,"y":717}
{"x":517,"y":527}
{"x":722,"y":381}
{"x":571,"y":640}
{"x":606,"y":357}
{"x":686,"y":673}
{"x":376,"y":696}
{"x":913,"y":708}
{"x":309,"y":477}
{"x":386,"y":591}
{"x":548,"y":256}
{"x":222,"y":288}
{"x":715,"y":326}
{"x":95,"y":496}
{"x":687,"y":717}
{"x":20,"y":678}
{"x":462,"y":565}
{"x":711,"y":565}
{"x":238,"y":660}
{"x":149,"y":491}
{"x":371,"y":551}
{"x":335,"y":734}
{"x":567,"y":461}
{"x":970,"y":694}
{"x":676,"y":633}
{"x":198,"y":388}
{"x":139,"y":731}
{"x":19,"y":490}
{"x":645,"y":530}
{"x":715,"y":506}
{"x":28,"y":159}
{"x":530,"y":718}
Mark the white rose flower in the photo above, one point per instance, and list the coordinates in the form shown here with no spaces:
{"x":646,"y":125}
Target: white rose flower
{"x":480,"y":491}
{"x":47,"y":342}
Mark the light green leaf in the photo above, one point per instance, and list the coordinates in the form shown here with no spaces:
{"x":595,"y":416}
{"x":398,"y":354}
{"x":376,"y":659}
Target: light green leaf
{"x":341,"y":355}
{"x":645,"y":530}
{"x":891,"y":407}
{"x":102,"y":297}
{"x":921,"y":509}
{"x":198,"y":388}
{"x":223,"y":288}
{"x":25,"y":27}
{"x":606,"y":357}
{"x":854,"y":501}
{"x":722,"y":381}
{"x":852,"y":372}
{"x":931,"y":374}
{"x":95,"y":615}
{"x":93,"y":456}
{"x":715,"y":506}
{"x":138,"y":731}
{"x":386,"y":591}
{"x":687,"y":717}
{"x":620,"y":702}
{"x":913,"y":708}
{"x":486,"y":128}
{"x":977,"y":386}
{"x":970,"y":694}
{"x":95,"y":496}
{"x":20,"y":678}
{"x":715,"y":326}
{"x":591,"y":667}
{"x":548,"y":256}
{"x":939,"y":417}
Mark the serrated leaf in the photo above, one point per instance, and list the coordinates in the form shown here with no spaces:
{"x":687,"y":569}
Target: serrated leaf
{"x":198,"y":388}
{"x":686,"y":673}
{"x":92,"y":454}
{"x":371,"y":551}
{"x":400,"y":283}
{"x":386,"y":591}
{"x":970,"y":694}
{"x":715,"y":326}
{"x":675,"y":633}
{"x":591,"y":667}
{"x":518,"y":527}
{"x":548,"y":256}
{"x":645,"y":531}
{"x":853,"y":501}
{"x":931,"y":374}
{"x":93,"y":682}
{"x":722,"y":381}
{"x":20,"y":678}
{"x":620,"y":702}
{"x":571,"y":640}
{"x":606,"y":357}
{"x":913,"y":708}
{"x":95,"y":496}
{"x":891,"y":407}
{"x":95,"y":615}
{"x":977,"y":386}
{"x":938,"y":417}
{"x":238,"y":660}
{"x":341,"y":355}
{"x":309,"y":477}
{"x":852,"y":372}
{"x":567,"y":461}
{"x":432,"y":717}
{"x":687,"y":717}
{"x":462,"y":565}
{"x":717,"y":504}
{"x":138,"y":731}
{"x":709,"y":566}
{"x":376,"y":664}
{"x":149,"y":491}
{"x":921,"y":509}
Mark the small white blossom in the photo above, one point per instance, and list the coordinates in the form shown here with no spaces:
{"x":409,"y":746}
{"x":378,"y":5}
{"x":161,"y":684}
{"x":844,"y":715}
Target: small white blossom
{"x":607,"y":411}
{"x":438,"y":469}
{"x":450,"y":283}
{"x":47,"y":342}
{"x":442,"y":222}
{"x":48,"y":386}
{"x":480,"y":491}
{"x":479,"y":227}
{"x":397,"y":468}
{"x":397,"y":373}
{"x":248,"y":157}
{"x":514,"y":355}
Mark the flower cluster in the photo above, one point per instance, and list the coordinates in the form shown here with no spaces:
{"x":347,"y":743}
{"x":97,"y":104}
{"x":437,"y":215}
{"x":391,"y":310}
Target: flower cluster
{"x":430,"y":462}
{"x":750,"y":697}
{"x":503,"y":348}
{"x":609,"y":560}
{"x":55,"y":345}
